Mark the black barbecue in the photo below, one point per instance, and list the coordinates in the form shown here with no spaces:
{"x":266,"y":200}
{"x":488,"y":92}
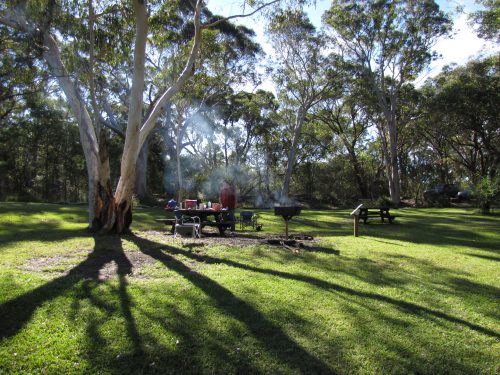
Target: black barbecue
{"x":287,"y":212}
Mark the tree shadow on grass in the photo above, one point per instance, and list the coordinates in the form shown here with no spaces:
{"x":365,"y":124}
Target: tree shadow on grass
{"x":269,"y":335}
{"x":320,"y":249}
{"x":49,"y":231}
{"x":153,"y":249}
{"x":17,"y":312}
{"x":439,"y":229}
{"x":495,"y":259}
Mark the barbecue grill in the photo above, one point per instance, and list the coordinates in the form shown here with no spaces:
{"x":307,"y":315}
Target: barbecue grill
{"x":287,"y":212}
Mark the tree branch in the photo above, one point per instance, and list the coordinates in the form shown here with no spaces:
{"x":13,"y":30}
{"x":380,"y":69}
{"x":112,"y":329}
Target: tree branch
{"x":238,"y":15}
{"x":150,"y":122}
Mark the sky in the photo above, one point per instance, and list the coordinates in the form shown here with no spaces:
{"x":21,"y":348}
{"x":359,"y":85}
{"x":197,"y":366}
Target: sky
{"x":463,"y":45}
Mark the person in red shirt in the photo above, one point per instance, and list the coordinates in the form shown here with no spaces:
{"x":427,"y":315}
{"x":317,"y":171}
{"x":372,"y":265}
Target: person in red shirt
{"x":228,"y":200}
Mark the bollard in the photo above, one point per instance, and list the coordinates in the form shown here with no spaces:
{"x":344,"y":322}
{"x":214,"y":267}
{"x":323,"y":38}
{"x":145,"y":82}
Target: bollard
{"x":355,"y":215}
{"x":356,"y":225}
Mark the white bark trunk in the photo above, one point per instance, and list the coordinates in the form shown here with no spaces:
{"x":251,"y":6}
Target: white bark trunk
{"x":150,"y":122}
{"x":395,"y":179}
{"x":125,"y":188}
{"x":87,"y":133}
{"x":391,"y":147}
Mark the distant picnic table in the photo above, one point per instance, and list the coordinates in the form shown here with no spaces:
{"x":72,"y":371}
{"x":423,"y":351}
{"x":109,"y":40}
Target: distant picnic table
{"x":382,"y":212}
{"x":220,"y":221}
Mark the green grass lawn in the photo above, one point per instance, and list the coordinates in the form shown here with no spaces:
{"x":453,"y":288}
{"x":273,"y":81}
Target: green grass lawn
{"x":420,"y":296}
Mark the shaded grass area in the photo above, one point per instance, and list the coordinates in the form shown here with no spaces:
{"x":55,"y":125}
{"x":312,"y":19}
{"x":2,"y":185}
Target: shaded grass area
{"x":418,"y":296}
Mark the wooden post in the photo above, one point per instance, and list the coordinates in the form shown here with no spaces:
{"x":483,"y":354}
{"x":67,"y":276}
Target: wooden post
{"x":355,"y":215}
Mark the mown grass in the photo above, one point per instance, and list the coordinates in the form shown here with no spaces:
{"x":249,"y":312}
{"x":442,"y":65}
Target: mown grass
{"x":419,"y":296}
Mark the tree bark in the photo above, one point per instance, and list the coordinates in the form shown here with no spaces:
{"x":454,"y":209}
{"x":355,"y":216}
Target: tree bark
{"x":178,"y":149}
{"x":395,"y":183}
{"x":125,"y":188}
{"x":141,"y":182}
{"x":87,"y":133}
{"x":358,"y":173}
{"x":299,"y":120}
{"x":105,"y":211}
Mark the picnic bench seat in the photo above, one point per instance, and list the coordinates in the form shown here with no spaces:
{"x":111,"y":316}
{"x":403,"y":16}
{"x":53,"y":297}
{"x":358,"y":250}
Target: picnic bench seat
{"x":382,"y":212}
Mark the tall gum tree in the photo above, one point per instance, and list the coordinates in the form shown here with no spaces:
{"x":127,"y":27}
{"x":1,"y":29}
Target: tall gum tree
{"x":108,"y":210}
{"x":389,"y":42}
{"x":301,"y":75}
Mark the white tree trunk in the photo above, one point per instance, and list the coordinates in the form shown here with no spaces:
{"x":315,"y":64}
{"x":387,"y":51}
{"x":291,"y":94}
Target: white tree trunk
{"x":136,"y":135}
{"x":87,"y":133}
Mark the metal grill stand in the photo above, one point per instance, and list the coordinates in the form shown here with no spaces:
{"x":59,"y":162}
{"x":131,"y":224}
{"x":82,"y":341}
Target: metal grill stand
{"x":287,"y":212}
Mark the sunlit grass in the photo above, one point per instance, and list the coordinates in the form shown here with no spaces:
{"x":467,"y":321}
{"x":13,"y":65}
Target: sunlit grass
{"x":419,"y":296}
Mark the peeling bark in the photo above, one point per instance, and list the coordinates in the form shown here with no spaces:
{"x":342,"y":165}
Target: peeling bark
{"x":108,"y":212}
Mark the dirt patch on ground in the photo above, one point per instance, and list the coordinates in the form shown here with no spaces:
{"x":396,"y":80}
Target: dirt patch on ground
{"x":108,"y":259}
{"x":230,"y":239}
{"x":98,"y":264}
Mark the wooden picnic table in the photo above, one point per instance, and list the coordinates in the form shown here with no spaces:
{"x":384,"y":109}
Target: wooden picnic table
{"x":219,"y":218}
{"x":382,"y":212}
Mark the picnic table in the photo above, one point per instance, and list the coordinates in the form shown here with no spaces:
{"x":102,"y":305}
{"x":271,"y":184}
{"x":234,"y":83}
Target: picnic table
{"x":382,"y":212}
{"x":219,"y":219}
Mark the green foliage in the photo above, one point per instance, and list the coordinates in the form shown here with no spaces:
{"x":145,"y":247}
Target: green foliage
{"x":384,"y":201}
{"x":41,"y":154}
{"x":462,"y":106}
{"x":389,"y":32}
{"x":486,"y":191}
{"x":488,"y":19}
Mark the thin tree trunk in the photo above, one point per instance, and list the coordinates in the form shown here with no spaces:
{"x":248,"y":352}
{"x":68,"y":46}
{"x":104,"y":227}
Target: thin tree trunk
{"x":395,"y":178}
{"x":358,"y":173}
{"x":292,"y":154}
{"x":179,"y":169}
{"x":141,"y":182}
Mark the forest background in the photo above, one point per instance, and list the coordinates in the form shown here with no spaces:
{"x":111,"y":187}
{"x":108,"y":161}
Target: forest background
{"x":315,"y":119}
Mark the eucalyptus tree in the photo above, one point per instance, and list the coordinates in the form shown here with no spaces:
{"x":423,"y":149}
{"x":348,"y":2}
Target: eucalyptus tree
{"x":243,"y":118}
{"x":20,"y":78}
{"x":227,"y":60}
{"x":301,"y":74}
{"x":390,"y":42}
{"x":244,"y":126}
{"x":59,"y":30}
{"x":344,"y":117}
{"x":487,"y":19}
